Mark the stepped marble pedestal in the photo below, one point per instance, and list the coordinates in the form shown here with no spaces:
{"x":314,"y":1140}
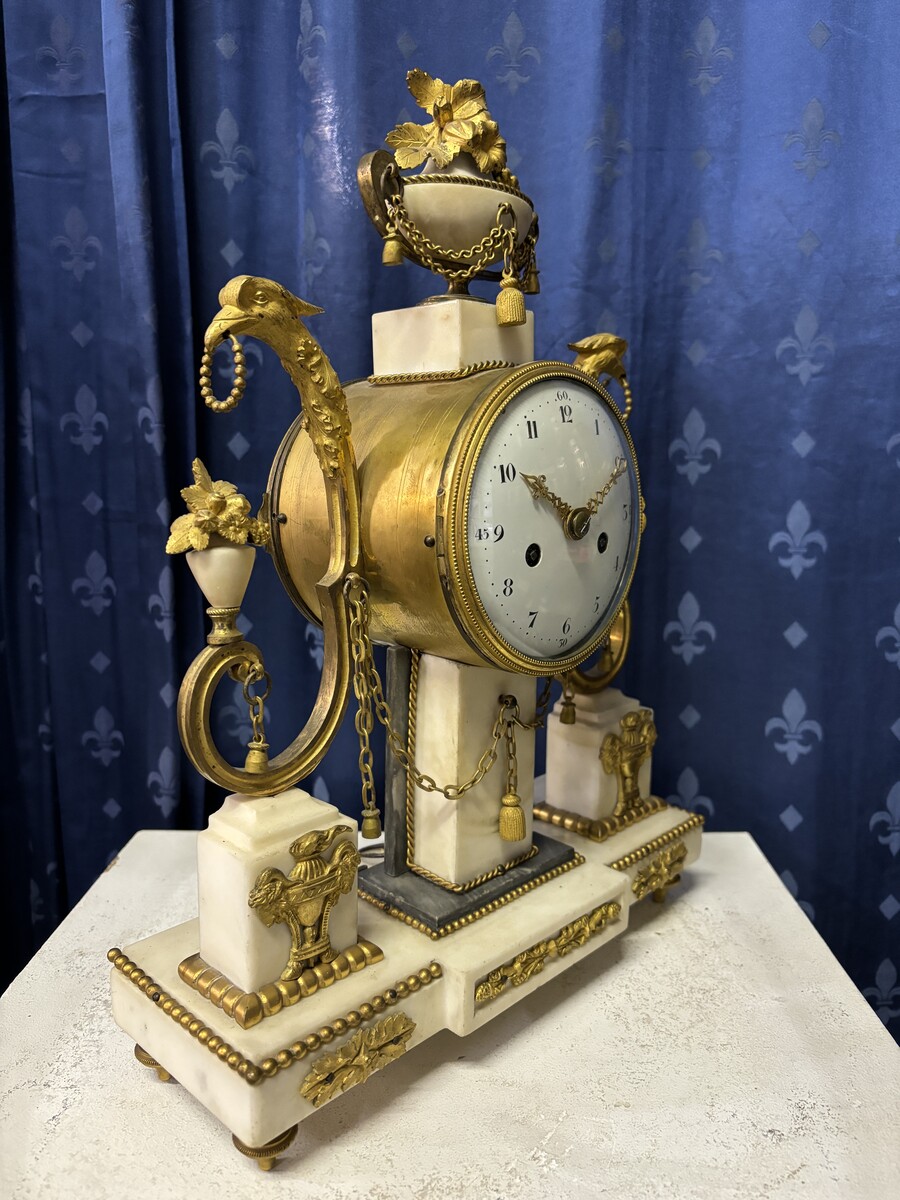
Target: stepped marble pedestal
{"x":718,"y":1050}
{"x":261,"y":1081}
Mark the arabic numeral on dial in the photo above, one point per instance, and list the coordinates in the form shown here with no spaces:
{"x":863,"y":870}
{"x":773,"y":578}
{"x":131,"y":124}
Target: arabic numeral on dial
{"x":484,"y":533}
{"x":531,"y":426}
{"x":596,"y":604}
{"x":596,"y":424}
{"x":532,"y":617}
{"x":624,"y":512}
{"x":567,"y":626}
{"x":507,"y":587}
{"x":565,"y":412}
{"x":616,"y":567}
{"x":562,"y":642}
{"x":507,"y":472}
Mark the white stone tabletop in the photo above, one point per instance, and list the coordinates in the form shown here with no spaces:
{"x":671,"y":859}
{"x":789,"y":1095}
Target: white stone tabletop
{"x":716,"y":1050}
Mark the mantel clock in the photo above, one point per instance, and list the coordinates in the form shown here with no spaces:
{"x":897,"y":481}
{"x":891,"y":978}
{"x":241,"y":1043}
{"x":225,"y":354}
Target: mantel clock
{"x":480,"y":514}
{"x":478,"y":558}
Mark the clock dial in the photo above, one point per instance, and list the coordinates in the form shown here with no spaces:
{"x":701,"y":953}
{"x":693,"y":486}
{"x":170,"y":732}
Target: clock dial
{"x":553,"y":518}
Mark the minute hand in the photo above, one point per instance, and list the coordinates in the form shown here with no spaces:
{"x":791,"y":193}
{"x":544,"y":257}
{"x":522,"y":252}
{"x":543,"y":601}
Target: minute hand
{"x":600,"y":495}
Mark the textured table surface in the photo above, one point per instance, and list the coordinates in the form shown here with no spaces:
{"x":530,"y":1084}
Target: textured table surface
{"x":716,"y":1050}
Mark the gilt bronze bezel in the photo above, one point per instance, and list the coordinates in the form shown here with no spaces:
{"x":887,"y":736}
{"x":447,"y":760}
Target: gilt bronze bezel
{"x":457,"y":577}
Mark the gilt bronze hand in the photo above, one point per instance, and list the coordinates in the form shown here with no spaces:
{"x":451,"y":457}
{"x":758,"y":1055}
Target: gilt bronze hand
{"x":601,"y":493}
{"x":537,"y":485}
{"x":575,"y":521}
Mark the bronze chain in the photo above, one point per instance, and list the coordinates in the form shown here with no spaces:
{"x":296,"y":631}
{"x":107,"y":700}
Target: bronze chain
{"x":256,"y":703}
{"x":478,"y":257}
{"x":369,"y":692}
{"x":512,"y":769}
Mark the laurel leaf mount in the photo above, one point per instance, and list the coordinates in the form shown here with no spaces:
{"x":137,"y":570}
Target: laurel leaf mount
{"x":366,"y":1052}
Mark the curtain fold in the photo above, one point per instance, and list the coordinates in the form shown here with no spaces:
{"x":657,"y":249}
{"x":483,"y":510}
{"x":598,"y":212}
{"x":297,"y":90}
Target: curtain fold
{"x":717,"y":183}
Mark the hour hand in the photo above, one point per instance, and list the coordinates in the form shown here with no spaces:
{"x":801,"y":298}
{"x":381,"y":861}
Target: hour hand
{"x":537,"y":485}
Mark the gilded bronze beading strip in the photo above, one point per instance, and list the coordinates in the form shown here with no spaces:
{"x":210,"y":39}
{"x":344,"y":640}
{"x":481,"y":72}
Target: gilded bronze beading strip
{"x":531,"y":961}
{"x":484,"y":911}
{"x":411,"y":864}
{"x":694,"y":821}
{"x":429,"y":376}
{"x":249,"y":1008}
{"x":603,"y":827}
{"x":479,"y":879}
{"x":248,"y":1070}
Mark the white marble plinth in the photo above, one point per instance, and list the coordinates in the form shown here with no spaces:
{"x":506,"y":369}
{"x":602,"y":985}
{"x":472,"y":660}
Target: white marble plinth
{"x":243,"y":838}
{"x":456,"y":709}
{"x":258,"y":1112}
{"x":446,"y":336}
{"x":576,"y":780}
{"x":717,"y":1050}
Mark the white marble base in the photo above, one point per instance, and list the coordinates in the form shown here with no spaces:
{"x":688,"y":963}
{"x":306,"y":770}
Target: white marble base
{"x":258,"y":1113}
{"x":243,"y":838}
{"x":457,"y":706}
{"x":576,"y":780}
{"x":718,"y":1050}
{"x":446,"y":336}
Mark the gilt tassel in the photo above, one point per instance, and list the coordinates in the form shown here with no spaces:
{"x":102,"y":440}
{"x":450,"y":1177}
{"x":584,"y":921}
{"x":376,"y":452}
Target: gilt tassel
{"x":392,"y":250}
{"x":512,"y":818}
{"x":510,"y":302}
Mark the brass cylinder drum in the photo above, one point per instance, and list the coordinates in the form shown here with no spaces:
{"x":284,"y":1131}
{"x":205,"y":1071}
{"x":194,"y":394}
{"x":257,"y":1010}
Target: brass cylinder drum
{"x":407,"y":439}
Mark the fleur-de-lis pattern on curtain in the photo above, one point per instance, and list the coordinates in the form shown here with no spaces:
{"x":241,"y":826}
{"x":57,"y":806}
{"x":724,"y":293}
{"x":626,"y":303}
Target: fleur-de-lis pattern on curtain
{"x":717,"y":182}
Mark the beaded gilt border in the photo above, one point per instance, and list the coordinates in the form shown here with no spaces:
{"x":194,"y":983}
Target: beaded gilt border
{"x":485,"y":909}
{"x":249,"y":1008}
{"x":411,"y":865}
{"x":250,"y":1071}
{"x":694,"y":821}
{"x":603,"y":827}
{"x":428,"y":376}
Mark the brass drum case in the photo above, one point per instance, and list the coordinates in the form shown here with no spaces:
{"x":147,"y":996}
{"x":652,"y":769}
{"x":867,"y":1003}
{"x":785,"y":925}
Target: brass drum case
{"x":416,"y":448}
{"x":407,"y":438}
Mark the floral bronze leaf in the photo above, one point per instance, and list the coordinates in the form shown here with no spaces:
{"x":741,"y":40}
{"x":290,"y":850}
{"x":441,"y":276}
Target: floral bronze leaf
{"x":460,"y":123}
{"x":217,"y":512}
{"x":489,"y":149}
{"x":463,"y":100}
{"x":412,"y":143}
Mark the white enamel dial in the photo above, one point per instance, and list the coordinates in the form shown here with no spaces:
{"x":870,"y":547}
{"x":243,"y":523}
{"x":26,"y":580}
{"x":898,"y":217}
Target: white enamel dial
{"x":548,"y":593}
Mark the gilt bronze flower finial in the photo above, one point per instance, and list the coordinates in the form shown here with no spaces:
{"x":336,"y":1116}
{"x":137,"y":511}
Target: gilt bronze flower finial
{"x":460,"y":124}
{"x":217,"y":514}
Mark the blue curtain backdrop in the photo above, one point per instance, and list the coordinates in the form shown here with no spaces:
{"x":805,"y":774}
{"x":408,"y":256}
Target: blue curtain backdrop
{"x":718,"y":182}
